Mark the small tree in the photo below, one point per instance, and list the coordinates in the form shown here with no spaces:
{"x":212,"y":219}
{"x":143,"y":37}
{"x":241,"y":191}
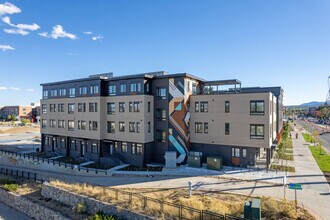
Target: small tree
{"x":13,"y":117}
{"x":8,"y":117}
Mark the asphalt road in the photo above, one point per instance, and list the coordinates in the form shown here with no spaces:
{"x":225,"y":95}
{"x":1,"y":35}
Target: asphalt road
{"x":7,"y":213}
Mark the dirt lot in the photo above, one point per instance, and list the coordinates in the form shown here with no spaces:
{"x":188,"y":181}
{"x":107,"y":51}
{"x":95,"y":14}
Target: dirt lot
{"x":15,"y":130}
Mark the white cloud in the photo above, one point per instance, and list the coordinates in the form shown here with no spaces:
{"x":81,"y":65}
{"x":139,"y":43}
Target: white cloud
{"x":8,"y":8}
{"x":58,"y":32}
{"x":30,"y":90}
{"x":3,"y":88}
{"x":88,"y":32}
{"x":16,"y":89}
{"x":21,"y":28}
{"x":99,"y":37}
{"x":6,"y":47}
{"x":16,"y":31}
{"x":73,"y":54}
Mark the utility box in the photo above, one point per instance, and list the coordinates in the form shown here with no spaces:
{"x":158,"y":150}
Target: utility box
{"x":170,"y":159}
{"x":214,"y":163}
{"x":195,"y":161}
{"x":247,"y":210}
{"x":256,"y":209}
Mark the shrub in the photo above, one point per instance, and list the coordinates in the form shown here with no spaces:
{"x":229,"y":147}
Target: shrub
{"x":101,"y":216}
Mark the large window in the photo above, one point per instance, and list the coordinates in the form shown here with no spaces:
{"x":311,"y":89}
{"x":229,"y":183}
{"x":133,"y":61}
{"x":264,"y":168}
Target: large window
{"x":70,"y":125}
{"x":133,"y":148}
{"x":44,"y":108}
{"x":122,"y":126}
{"x":53,"y":92}
{"x":44,"y":123}
{"x":93,"y":107}
{"x":132,"y":127}
{"x":61,"y":107}
{"x":94,"y":89}
{"x":111,"y":127}
{"x":227,"y":106}
{"x":257,"y":131}
{"x":81,"y":107}
{"x":257,"y":108}
{"x":52,"y":107}
{"x":71,"y":108}
{"x":121,"y":106}
{"x":123,"y":88}
{"x":160,"y":114}
{"x":161,"y":136}
{"x":61,"y":123}
{"x":93,"y":125}
{"x":62,"y":92}
{"x":244,"y":152}
{"x":133,"y":87}
{"x":161,"y":93}
{"x":94,"y":148}
{"x":139,"y":87}
{"x":72,"y":92}
{"x":111,"y":108}
{"x":198,"y":127}
{"x":204,"y":106}
{"x":83,"y":90}
{"x":45,"y":94}
{"x":227,"y":128}
{"x":81,"y":125}
{"x":235,"y":152}
{"x":124,"y":147}
{"x":134,"y":106}
{"x":139,"y":149}
{"x":112,"y":90}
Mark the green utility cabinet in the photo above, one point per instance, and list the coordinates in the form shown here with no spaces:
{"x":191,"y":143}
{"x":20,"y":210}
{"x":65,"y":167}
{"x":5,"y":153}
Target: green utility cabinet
{"x":194,"y":161}
{"x":214,"y":163}
{"x":252,"y":209}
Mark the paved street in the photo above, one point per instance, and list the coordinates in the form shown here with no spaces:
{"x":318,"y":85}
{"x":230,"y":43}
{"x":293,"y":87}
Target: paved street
{"x":7,"y":213}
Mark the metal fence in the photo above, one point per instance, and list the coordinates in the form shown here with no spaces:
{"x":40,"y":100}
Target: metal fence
{"x":149,"y":206}
{"x":53,"y":161}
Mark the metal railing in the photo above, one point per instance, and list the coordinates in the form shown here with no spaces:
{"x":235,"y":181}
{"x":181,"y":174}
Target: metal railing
{"x":150,"y":206}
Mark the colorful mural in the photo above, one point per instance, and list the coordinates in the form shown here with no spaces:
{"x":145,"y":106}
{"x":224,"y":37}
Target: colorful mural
{"x":179,"y":118}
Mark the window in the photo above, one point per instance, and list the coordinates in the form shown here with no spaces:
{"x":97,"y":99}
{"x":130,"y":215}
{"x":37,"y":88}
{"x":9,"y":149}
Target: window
{"x":257,"y":131}
{"x":194,"y":88}
{"x":94,"y":89}
{"x":257,"y":108}
{"x":94,"y":148}
{"x":133,"y":87}
{"x":62,"y":92}
{"x":138,"y":149}
{"x":112,"y":90}
{"x":161,"y":136}
{"x":52,"y":107}
{"x":61,"y":123}
{"x":149,"y":127}
{"x":227,"y":128}
{"x":93,"y":107}
{"x":111,"y":108}
{"x":130,"y":106}
{"x":62,"y":143}
{"x":198,"y":127}
{"x":44,"y":108}
{"x":53,"y":92}
{"x":93,"y":125}
{"x":149,"y":106}
{"x":204,"y":107}
{"x":235,"y":152}
{"x":133,"y":148}
{"x":44,"y":123}
{"x":116,"y":146}
{"x":132,"y":127}
{"x":160,"y":114}
{"x":134,"y":106}
{"x":196,"y":106}
{"x":121,"y":106}
{"x":111,"y":127}
{"x":138,"y":127}
{"x":244,"y":152}
{"x":82,"y":125}
{"x":83,"y":90}
{"x":71,"y":108}
{"x":72,"y":92}
{"x":139,"y":87}
{"x":46,"y":141}
{"x":147,"y":87}
{"x":206,"y":127}
{"x":122,"y":126}
{"x":81,"y":107}
{"x":227,"y":106}
{"x":73,"y":144}
{"x":161,"y":93}
{"x":70,"y":125}
{"x":124,"y":147}
{"x":123,"y":88}
{"x":61,"y":107}
{"x":45,"y":94}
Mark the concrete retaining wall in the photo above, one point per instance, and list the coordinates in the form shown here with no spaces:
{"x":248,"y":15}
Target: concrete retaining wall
{"x":28,"y":207}
{"x":92,"y":205}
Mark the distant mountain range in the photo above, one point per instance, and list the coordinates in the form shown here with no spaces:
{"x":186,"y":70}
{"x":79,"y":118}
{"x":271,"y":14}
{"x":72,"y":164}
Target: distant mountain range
{"x":308,"y":104}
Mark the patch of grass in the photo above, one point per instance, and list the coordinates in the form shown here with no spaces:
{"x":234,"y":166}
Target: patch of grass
{"x":282,"y":168}
{"x":308,"y":137}
{"x":101,"y":216}
{"x":321,"y":157}
{"x":136,"y":168}
{"x":11,"y":187}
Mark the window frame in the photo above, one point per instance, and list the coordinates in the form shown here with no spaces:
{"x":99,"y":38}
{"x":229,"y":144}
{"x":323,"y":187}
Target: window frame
{"x":198,"y":127}
{"x":255,"y":135}
{"x":227,"y":128}
{"x":227,"y":106}
{"x":254,"y":103}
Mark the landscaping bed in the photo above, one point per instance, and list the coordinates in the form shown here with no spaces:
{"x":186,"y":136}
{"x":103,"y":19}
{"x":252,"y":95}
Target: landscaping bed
{"x":98,"y":166}
{"x":282,"y":168}
{"x":137,"y":168}
{"x":321,"y":157}
{"x":68,"y":160}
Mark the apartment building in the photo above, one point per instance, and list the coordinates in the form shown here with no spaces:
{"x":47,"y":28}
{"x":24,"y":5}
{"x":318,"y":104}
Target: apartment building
{"x":138,"y":118}
{"x":18,"y":110}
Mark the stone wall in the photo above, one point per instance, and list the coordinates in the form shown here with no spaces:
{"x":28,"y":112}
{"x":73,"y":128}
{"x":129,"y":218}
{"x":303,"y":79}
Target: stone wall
{"x":28,"y":207}
{"x":92,"y":205}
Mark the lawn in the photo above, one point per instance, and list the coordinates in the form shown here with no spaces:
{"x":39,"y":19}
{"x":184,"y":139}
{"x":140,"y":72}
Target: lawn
{"x":308,"y":137}
{"x":323,"y":160}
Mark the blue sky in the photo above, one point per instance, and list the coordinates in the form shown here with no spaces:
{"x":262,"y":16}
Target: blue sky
{"x":262,"y":43}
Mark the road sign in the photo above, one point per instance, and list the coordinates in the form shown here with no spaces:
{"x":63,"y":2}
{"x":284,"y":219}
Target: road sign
{"x":295,"y":186}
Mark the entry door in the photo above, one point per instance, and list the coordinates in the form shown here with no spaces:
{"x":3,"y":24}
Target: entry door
{"x":111,"y":149}
{"x":82,"y":149}
{"x":54,"y":144}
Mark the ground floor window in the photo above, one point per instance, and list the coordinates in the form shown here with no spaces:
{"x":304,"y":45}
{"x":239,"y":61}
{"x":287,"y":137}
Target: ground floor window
{"x":133,"y":148}
{"x":124,"y":147}
{"x":94,"y":148}
{"x":244,"y":152}
{"x":139,"y":149}
{"x":235,"y":152}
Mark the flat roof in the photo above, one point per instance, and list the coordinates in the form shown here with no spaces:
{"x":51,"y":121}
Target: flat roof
{"x":223,"y":82}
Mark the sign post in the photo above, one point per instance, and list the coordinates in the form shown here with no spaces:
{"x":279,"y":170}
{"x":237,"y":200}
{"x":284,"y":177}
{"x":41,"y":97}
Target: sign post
{"x":295,"y":186}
